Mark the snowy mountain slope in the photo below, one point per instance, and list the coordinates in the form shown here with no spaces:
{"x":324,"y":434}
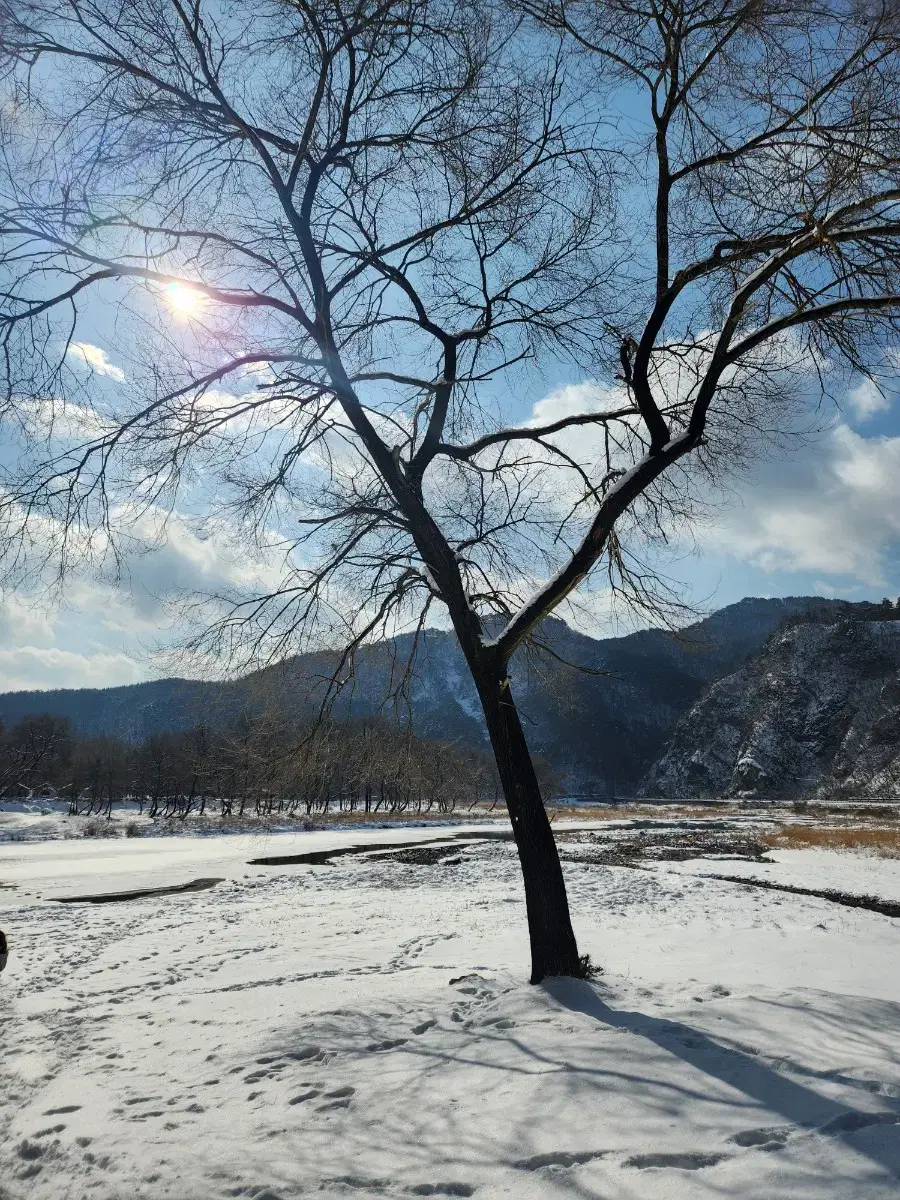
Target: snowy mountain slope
{"x":598,"y":732}
{"x":817,"y":711}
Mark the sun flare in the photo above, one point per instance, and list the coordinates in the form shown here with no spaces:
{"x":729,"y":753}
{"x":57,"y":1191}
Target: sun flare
{"x":183,"y":300}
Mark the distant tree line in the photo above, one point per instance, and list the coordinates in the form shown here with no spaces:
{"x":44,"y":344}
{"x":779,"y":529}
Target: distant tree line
{"x":845,"y":610}
{"x":258,"y":766}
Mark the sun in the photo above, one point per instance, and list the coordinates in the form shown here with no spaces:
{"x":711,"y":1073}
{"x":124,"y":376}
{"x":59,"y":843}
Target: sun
{"x":183,"y":300}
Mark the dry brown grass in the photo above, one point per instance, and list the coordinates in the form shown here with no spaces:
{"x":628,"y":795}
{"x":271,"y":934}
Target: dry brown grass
{"x":583,"y":812}
{"x":885,"y":843}
{"x":626,"y":812}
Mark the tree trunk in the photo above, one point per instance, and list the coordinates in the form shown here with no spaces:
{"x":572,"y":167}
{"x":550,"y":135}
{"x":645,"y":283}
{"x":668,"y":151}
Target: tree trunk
{"x":554,"y":950}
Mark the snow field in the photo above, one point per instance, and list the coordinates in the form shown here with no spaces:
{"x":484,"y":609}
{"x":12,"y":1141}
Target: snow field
{"x":364,"y":1030}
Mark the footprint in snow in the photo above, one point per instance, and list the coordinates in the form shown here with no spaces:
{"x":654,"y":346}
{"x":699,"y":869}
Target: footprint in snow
{"x":675,"y":1162}
{"x":772,"y":1138}
{"x":559,"y":1158}
{"x":29,"y":1150}
{"x":390,"y":1044}
{"x":339,"y":1098}
{"x":361,"y":1183}
{"x":307,"y":1054}
{"x":442,"y":1189}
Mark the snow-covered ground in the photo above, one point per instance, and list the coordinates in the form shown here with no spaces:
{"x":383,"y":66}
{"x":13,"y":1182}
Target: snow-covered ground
{"x":830,"y":870}
{"x":364,"y":1029}
{"x":48,"y":820}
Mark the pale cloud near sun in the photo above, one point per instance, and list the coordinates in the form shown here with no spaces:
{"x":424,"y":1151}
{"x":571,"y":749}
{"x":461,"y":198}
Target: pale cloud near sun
{"x":107,"y":630}
{"x":62,"y":418}
{"x":95,"y":358}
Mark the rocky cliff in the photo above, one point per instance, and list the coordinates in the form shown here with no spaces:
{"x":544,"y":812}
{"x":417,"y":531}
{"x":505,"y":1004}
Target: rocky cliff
{"x":815,"y":713}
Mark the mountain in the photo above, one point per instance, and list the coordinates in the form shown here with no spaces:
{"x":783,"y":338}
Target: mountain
{"x":601,"y":730}
{"x":815,"y":712}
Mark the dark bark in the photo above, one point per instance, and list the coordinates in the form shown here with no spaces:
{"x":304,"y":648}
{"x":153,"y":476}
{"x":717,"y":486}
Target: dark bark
{"x":554,"y":950}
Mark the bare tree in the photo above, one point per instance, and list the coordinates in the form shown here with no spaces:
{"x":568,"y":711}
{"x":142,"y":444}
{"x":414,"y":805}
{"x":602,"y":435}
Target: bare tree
{"x":282,"y":765}
{"x":33,"y":749}
{"x":382,"y":216}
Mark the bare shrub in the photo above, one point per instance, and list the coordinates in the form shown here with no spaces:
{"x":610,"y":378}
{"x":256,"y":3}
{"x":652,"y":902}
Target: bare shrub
{"x":98,"y":829}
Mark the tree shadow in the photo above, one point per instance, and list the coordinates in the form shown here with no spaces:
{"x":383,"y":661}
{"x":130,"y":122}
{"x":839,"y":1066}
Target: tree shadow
{"x":748,"y":1074}
{"x":426,"y":1143}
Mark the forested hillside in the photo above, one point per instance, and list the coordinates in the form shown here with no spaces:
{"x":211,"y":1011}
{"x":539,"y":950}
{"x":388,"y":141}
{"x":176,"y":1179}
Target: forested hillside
{"x":600,"y":730}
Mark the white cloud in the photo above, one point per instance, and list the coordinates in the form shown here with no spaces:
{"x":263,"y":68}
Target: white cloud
{"x":62,"y":418}
{"x":96,"y":359}
{"x":867,"y":399}
{"x":259,"y":372}
{"x":106,"y":629}
{"x":834,"y":510}
{"x":185,"y":555}
{"x":575,"y":398}
{"x":23,"y":621}
{"x":31,"y":667}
